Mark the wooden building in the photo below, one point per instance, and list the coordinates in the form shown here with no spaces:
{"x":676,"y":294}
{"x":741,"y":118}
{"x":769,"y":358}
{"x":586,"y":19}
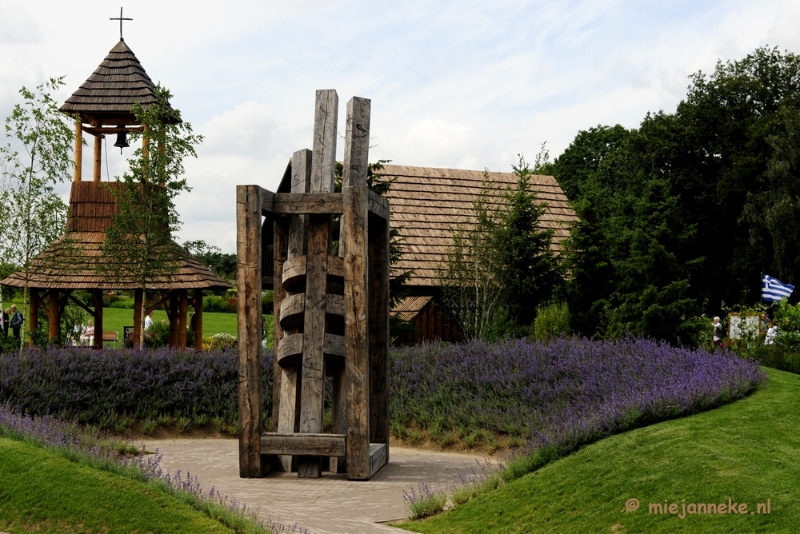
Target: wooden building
{"x":102,"y":106}
{"x":426,"y":203}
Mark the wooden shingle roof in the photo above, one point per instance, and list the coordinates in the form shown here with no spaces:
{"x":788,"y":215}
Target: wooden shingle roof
{"x":72,"y":261}
{"x":113,"y":87}
{"x":427,"y":202}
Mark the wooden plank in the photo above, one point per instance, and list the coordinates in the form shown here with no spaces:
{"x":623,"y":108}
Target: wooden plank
{"x":336,"y":265}
{"x":313,"y":371}
{"x":248,"y":285}
{"x":288,"y":411}
{"x":309,"y":203}
{"x":356,"y":148}
{"x":379,"y":329}
{"x":378,"y":457}
{"x":326,"y":113}
{"x":303,"y":444}
{"x":378,"y":205}
{"x":98,"y":160}
{"x":356,"y":298}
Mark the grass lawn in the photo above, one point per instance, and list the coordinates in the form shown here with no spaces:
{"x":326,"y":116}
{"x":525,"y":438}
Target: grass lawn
{"x":43,"y":492}
{"x":116,"y":318}
{"x":747,"y":452}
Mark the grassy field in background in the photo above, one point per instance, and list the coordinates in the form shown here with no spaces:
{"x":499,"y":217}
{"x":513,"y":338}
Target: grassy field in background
{"x":747,"y":452}
{"x":43,"y":492}
{"x":117,"y":318}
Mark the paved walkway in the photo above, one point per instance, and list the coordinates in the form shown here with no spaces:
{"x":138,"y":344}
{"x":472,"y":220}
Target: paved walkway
{"x":328,"y":505}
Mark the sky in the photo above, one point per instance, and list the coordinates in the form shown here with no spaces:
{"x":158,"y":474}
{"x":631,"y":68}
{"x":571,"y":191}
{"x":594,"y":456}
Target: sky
{"x":456,"y":84}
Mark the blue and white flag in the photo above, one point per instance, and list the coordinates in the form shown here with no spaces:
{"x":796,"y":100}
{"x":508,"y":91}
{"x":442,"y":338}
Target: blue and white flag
{"x":773,"y":290}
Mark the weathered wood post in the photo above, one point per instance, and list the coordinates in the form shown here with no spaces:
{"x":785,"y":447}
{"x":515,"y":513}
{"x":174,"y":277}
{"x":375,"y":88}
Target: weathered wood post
{"x":248,"y":279}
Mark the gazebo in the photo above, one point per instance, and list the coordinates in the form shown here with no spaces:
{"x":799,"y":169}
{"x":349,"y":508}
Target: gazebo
{"x":102,"y":105}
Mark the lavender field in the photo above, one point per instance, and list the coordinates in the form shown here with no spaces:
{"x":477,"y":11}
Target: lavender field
{"x":564,"y":393}
{"x":567,"y":392}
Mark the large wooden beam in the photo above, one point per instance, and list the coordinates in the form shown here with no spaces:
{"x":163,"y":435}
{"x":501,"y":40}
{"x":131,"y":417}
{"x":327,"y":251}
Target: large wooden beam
{"x":248,"y":284}
{"x":356,"y":148}
{"x":326,"y":113}
{"x":280,"y":237}
{"x":356,"y":298}
{"x":305,"y":444}
{"x":312,"y":394}
{"x":379,"y":330}
{"x":310,"y":203}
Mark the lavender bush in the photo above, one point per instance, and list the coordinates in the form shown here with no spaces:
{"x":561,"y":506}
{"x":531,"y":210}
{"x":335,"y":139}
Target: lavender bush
{"x":562,"y":393}
{"x":90,"y":385}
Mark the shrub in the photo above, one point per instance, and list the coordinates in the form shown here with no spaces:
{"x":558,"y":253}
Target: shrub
{"x":222,"y":341}
{"x":551,"y":321}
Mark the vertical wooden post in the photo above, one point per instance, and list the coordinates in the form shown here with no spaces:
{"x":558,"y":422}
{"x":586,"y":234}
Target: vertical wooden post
{"x":312,"y":385}
{"x":183,"y":305}
{"x":339,"y":419}
{"x":279,"y":229}
{"x":356,"y":148}
{"x":356,"y":325}
{"x":197,"y":327}
{"x":174,"y":320}
{"x":378,"y":234}
{"x":53,"y":315}
{"x":248,"y":284}
{"x":323,"y":165}
{"x":98,"y":156}
{"x":138,"y":298}
{"x":301,"y":181}
{"x":97,"y":295}
{"x":78,"y":149}
{"x":33,"y":314}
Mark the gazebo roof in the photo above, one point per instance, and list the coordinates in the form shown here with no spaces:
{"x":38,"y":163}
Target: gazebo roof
{"x":73,"y":261}
{"x":108,"y":94}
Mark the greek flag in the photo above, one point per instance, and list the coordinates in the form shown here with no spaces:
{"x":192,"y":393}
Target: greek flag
{"x":773,"y":290}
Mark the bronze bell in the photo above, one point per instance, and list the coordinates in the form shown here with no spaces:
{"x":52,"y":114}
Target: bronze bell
{"x":122,"y":139}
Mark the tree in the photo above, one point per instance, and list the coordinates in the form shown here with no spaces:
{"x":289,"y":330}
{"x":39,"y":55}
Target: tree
{"x":140,"y":238}
{"x":33,"y":214}
{"x":500,"y":267}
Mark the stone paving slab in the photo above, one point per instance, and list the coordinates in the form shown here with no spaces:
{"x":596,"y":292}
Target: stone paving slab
{"x":328,"y":505}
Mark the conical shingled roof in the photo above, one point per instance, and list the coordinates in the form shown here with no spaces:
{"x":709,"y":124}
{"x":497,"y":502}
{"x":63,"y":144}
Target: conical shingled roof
{"x":113,"y":87}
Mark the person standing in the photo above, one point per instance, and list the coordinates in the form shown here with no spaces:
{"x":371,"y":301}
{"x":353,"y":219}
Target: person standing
{"x":148,"y":321}
{"x":719,"y":332}
{"x":16,"y":321}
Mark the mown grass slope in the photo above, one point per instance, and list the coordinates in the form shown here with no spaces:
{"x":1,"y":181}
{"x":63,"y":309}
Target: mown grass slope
{"x":44,"y":492}
{"x":747,"y":451}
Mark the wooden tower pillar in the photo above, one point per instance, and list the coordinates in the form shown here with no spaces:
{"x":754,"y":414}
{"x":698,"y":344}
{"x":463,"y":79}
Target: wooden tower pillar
{"x":78,"y":149}
{"x":53,"y":315}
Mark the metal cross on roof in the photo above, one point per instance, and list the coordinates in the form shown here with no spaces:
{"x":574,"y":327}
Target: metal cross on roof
{"x":120,"y":19}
